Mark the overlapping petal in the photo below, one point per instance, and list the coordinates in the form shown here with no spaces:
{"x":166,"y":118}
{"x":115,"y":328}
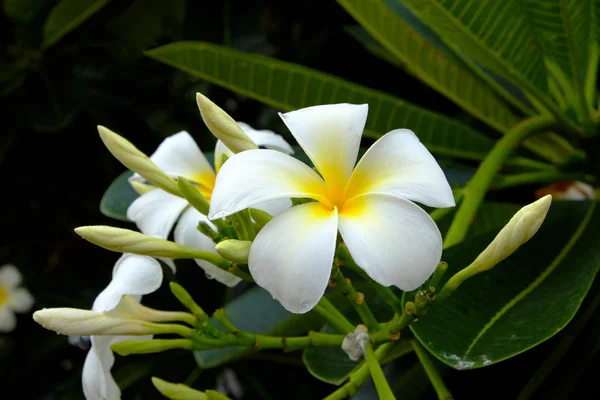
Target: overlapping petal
{"x":97,"y":381}
{"x":255,"y":176}
{"x":400,"y":165}
{"x":132,"y":275}
{"x":187,"y":235}
{"x":330,"y":136}
{"x":392,"y":239}
{"x":292,"y":255}
{"x":155,"y":212}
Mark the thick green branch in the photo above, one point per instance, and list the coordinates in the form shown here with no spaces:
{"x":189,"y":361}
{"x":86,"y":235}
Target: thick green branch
{"x":356,"y":299}
{"x":477,"y":187}
{"x":432,"y":372}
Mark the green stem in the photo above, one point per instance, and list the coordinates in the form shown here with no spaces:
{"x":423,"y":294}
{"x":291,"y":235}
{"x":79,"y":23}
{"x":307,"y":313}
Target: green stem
{"x":359,"y":376}
{"x":385,"y":292}
{"x":432,"y":373}
{"x":333,"y":320}
{"x":382,"y":385}
{"x":506,"y":181}
{"x":243,"y":225}
{"x":390,"y":330}
{"x":357,"y":300}
{"x":592,"y":76}
{"x":341,"y":322}
{"x":477,"y":187}
{"x":440,"y":213}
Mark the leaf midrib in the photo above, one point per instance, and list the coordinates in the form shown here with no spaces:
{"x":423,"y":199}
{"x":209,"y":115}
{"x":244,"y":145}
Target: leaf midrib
{"x":538,"y":281}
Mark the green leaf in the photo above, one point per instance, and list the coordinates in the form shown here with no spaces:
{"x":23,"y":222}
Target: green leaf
{"x":289,"y":86}
{"x":521,"y":302}
{"x":68,"y":15}
{"x":441,"y":71}
{"x":118,"y":197}
{"x":23,"y":10}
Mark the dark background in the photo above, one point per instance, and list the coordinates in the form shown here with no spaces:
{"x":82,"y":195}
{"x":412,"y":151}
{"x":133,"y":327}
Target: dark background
{"x":54,"y":170}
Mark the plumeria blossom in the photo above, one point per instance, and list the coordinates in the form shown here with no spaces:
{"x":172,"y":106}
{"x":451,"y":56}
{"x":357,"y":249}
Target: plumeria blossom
{"x":156,"y":211}
{"x":569,"y":190}
{"x":133,"y":276}
{"x":390,"y":237}
{"x":13,"y":299}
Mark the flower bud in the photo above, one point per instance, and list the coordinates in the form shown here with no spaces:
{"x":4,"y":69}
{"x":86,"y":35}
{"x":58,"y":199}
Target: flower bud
{"x":72,"y":321}
{"x":177,"y":391}
{"x":234,"y":250}
{"x":127,"y":347}
{"x":141,"y":188}
{"x":223,"y":126}
{"x":521,"y":227}
{"x":193,"y":195}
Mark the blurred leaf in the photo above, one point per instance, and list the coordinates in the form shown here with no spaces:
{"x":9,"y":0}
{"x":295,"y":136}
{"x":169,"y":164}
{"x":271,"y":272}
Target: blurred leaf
{"x":118,"y":197}
{"x":23,"y":10}
{"x":144,"y":24}
{"x":442,"y":71}
{"x":289,"y":86}
{"x":373,"y":46}
{"x":11,"y":78}
{"x":521,"y":302}
{"x":68,"y":15}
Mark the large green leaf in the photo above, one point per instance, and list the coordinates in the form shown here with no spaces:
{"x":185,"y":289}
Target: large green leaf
{"x":440,"y":70}
{"x":524,"y":300}
{"x":499,"y":35}
{"x":23,"y":10}
{"x":118,"y":197}
{"x":289,"y":86}
{"x":68,"y":15}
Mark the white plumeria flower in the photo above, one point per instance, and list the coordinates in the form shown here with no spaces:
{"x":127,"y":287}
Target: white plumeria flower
{"x":13,"y":299}
{"x":156,"y":211}
{"x":390,"y":237}
{"x":133,"y":276}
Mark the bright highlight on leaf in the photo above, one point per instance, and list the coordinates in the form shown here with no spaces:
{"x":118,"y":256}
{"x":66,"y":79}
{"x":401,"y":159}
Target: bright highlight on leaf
{"x":390,"y":237}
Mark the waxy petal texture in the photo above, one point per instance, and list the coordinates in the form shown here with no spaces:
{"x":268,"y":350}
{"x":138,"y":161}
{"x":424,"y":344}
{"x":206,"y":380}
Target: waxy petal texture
{"x":399,"y":164}
{"x":392,"y":239}
{"x":292,"y":256}
{"x":187,"y":235}
{"x":155,"y":212}
{"x":330,"y":136}
{"x":255,"y":176}
{"x":97,"y":381}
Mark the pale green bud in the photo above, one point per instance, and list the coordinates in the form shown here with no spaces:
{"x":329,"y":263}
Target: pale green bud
{"x":141,"y":188}
{"x":177,"y":391}
{"x":521,"y":227}
{"x":234,"y":250}
{"x":193,"y":195}
{"x":137,"y":161}
{"x":128,"y":241}
{"x":127,"y":347}
{"x":73,"y":321}
{"x":260,"y":217}
{"x":223,"y":126}
{"x":134,"y":309}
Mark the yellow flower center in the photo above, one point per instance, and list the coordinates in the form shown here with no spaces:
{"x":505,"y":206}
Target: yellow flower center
{"x":3,"y":295}
{"x":206,"y":182}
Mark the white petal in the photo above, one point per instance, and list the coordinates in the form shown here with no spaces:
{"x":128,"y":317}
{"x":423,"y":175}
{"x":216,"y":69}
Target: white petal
{"x":187,"y":235}
{"x":392,"y":239}
{"x":274,"y":207}
{"x":155,"y":212}
{"x":20,"y":300}
{"x":330,"y":136}
{"x":97,"y":381}
{"x":10,"y":277}
{"x":292,"y":255}
{"x":132,"y":275}
{"x":255,"y":176}
{"x":262,"y":138}
{"x":8,"y":321}
{"x":399,"y":164}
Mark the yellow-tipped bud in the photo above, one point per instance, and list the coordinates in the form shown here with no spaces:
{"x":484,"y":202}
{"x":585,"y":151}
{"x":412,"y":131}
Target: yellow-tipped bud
{"x":223,"y":126}
{"x":72,"y":321}
{"x":521,"y":227}
{"x":136,"y":161}
{"x":177,"y":391}
{"x":234,"y":250}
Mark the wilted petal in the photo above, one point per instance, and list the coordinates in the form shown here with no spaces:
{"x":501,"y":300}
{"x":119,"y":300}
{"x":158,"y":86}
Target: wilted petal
{"x":187,"y":235}
{"x":392,"y":239}
{"x":132,"y":275}
{"x":400,"y":165}
{"x":10,"y":277}
{"x":8,"y":321}
{"x":330,"y":136}
{"x":255,"y":176}
{"x":155,"y":212}
{"x":20,"y":300}
{"x":292,"y":255}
